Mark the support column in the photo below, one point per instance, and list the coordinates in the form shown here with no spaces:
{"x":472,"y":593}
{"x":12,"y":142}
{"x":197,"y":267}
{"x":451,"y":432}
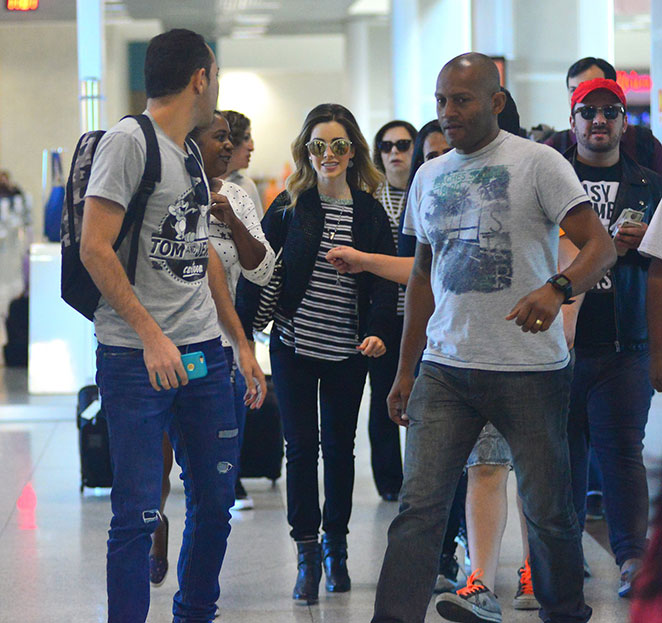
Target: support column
{"x":91,"y":48}
{"x":426,"y":34}
{"x":548,"y":38}
{"x":368,"y":72}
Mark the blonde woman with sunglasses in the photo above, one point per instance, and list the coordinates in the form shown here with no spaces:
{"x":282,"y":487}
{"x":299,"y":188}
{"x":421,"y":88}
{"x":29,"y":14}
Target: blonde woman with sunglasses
{"x":326,"y":326}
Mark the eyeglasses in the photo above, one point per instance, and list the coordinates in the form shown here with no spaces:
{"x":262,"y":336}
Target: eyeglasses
{"x":339,"y":146}
{"x":401,"y":145}
{"x":194,"y":169}
{"x":610,"y":112}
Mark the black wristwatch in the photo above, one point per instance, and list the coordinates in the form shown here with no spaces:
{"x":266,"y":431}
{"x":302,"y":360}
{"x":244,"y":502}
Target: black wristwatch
{"x":563,"y":284}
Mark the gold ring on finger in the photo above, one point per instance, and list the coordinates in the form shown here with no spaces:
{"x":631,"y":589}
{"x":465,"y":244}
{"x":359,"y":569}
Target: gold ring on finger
{"x":538,"y":323}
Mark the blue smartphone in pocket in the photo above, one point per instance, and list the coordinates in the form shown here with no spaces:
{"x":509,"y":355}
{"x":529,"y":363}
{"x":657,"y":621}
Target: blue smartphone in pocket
{"x":195,"y":365}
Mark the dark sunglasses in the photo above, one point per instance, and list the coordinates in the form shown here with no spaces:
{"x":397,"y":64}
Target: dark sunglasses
{"x":401,"y":145}
{"x":194,"y":169}
{"x":610,"y":112}
{"x":339,"y":146}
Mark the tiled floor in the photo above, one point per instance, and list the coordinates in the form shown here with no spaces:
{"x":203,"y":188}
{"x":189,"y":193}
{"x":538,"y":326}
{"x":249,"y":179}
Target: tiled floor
{"x":52,"y":539}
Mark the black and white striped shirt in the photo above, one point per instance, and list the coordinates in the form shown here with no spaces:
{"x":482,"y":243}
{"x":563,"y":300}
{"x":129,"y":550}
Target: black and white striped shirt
{"x":393,"y":200}
{"x":325,"y":325}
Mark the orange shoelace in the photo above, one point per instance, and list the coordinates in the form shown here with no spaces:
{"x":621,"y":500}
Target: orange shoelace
{"x":471,"y":588}
{"x":526,"y":584}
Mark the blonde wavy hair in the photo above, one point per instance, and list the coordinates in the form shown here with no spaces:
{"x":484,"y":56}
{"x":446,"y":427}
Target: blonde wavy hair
{"x":363,"y":175}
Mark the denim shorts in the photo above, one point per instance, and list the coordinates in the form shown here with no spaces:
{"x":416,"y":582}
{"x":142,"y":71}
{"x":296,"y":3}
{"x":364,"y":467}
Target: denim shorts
{"x":490,"y":449}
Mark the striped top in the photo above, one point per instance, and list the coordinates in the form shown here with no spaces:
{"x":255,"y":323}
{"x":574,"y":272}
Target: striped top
{"x":325,"y":325}
{"x":393,"y":200}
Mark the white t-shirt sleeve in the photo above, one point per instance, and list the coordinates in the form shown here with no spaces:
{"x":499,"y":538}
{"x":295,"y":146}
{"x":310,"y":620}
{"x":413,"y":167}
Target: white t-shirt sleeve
{"x":557,"y":186}
{"x":244,"y":208}
{"x":412,"y":225}
{"x":651,"y":243}
{"x":118,"y":167}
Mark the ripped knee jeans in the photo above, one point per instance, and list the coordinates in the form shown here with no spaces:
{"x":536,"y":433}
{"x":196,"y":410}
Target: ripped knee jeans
{"x":202,"y":425}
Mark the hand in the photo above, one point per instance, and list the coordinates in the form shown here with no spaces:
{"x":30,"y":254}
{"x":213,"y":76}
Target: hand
{"x":656,"y":372}
{"x":629,"y":237}
{"x":569,"y":331}
{"x":256,"y":385}
{"x":372,"y":346}
{"x":162,"y":357}
{"x":398,"y":398}
{"x":538,"y":309}
{"x":221,"y":208}
{"x":346,"y":259}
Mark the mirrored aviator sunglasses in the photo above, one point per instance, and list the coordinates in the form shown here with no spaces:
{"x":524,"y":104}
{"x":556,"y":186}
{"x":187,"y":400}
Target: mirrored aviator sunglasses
{"x":339,"y":146}
{"x":194,"y":169}
{"x":610,"y":112}
{"x":401,"y":145}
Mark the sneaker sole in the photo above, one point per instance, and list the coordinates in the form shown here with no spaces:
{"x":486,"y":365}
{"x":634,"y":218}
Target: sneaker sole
{"x":454,"y":612}
{"x":526,"y":603}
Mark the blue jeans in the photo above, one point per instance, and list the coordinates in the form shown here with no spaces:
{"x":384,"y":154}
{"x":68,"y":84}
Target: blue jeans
{"x":386,"y":457}
{"x":238,"y":392}
{"x":447,"y":409}
{"x":609,"y":402}
{"x":200,"y":420}
{"x":297,"y":381}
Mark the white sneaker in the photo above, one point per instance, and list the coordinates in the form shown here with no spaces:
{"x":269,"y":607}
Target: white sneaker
{"x":242,"y":504}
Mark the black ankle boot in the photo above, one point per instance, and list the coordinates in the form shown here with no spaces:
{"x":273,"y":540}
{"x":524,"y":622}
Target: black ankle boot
{"x":334,"y":552}
{"x":310,"y":571}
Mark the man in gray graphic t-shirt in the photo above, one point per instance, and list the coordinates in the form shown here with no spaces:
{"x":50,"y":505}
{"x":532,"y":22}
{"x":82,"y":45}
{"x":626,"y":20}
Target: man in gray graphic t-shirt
{"x":483,"y":289}
{"x":174,"y":309}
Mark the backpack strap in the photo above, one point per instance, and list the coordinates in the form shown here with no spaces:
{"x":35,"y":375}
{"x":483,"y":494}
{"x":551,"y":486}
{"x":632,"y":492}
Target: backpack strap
{"x":136,"y":211}
{"x":69,"y":193}
{"x":195,"y":150}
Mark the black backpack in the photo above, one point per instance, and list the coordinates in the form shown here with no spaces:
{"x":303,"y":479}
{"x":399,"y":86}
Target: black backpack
{"x":77,"y":287}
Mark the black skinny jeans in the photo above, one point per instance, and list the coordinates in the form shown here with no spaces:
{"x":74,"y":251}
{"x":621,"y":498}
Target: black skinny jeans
{"x":297,"y":381}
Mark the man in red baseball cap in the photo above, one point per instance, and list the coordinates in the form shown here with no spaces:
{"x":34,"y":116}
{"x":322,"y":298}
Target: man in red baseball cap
{"x":611,"y":390}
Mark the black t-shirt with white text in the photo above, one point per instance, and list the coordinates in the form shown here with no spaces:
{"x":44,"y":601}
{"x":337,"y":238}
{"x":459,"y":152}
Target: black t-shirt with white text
{"x":596,"y":324}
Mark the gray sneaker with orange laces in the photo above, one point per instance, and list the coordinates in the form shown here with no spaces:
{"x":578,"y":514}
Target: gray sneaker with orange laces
{"x":475,"y":603}
{"x":525,"y":599}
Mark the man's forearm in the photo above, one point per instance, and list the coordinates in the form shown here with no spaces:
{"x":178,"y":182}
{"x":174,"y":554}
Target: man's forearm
{"x":590,"y":265}
{"x":419,"y":306}
{"x":110,"y":278}
{"x":596,"y":249}
{"x":227,"y":316}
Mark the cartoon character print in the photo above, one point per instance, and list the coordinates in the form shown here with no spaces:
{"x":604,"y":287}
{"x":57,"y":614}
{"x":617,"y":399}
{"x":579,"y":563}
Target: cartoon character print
{"x":467,"y":219}
{"x":180,"y":246}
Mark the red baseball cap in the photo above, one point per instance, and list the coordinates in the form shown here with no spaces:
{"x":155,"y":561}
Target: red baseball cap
{"x":596,"y":84}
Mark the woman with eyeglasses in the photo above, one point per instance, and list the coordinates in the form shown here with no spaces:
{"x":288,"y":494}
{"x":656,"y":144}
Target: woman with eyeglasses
{"x":392,"y":153}
{"x":242,"y":140}
{"x":325,"y":326}
{"x":236,"y":236}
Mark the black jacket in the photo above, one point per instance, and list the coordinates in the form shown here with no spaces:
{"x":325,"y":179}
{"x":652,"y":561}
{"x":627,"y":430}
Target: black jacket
{"x":639,"y":189}
{"x":298,"y":231}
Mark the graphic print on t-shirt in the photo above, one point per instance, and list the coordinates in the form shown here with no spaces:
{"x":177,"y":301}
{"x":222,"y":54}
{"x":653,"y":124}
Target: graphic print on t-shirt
{"x":180,"y":246}
{"x":602,"y":195}
{"x":468,"y":223}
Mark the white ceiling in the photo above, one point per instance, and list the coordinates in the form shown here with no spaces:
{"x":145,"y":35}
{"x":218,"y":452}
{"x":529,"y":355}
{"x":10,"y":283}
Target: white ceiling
{"x":212,"y":18}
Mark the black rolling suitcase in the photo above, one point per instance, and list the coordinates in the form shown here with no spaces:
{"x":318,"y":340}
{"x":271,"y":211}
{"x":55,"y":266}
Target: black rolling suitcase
{"x":95,"y":469}
{"x":263,"y":446}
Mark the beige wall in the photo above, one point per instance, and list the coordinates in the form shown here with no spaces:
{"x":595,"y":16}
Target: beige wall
{"x":275,"y":81}
{"x":38,"y":99}
{"x":281,"y":102}
{"x":39,"y":93}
